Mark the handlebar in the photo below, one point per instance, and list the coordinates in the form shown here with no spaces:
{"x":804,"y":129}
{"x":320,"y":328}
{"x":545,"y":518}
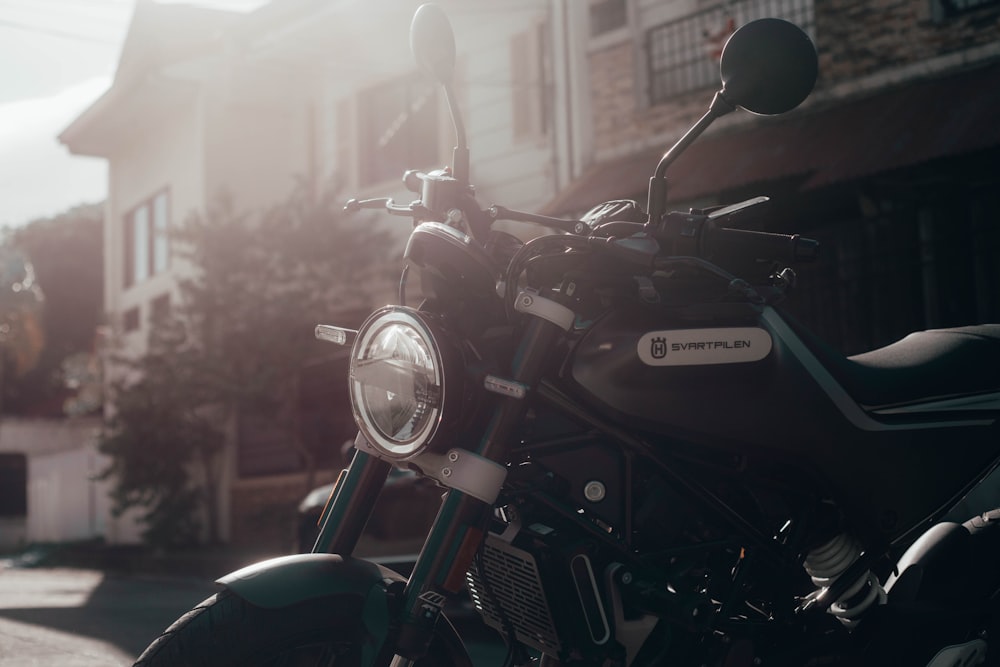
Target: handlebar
{"x":761,"y":245}
{"x":693,"y":234}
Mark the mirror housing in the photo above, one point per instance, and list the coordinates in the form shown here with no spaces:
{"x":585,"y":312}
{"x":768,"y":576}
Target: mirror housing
{"x":769,"y":66}
{"x":433,"y":43}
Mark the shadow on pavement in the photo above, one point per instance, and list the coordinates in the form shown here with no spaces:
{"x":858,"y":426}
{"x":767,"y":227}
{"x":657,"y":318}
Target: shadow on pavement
{"x":129,"y":612}
{"x":125,"y":598}
{"x":125,"y":612}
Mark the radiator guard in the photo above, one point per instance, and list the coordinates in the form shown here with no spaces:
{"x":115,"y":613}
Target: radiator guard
{"x":508,"y":577}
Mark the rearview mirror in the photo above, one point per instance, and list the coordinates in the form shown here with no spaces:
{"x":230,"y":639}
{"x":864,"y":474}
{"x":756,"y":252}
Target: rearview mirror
{"x":768,"y":67}
{"x":433,"y":43}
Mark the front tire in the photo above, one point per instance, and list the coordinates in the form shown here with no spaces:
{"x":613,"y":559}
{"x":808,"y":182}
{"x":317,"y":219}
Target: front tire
{"x":227,"y":631}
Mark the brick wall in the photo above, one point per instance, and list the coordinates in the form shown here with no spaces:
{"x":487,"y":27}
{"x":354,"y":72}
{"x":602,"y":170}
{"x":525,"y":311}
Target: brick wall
{"x":861,"y":37}
{"x":855,"y":39}
{"x":620,"y":121}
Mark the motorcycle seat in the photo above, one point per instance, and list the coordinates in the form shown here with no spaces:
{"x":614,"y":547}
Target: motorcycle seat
{"x":924,"y":366}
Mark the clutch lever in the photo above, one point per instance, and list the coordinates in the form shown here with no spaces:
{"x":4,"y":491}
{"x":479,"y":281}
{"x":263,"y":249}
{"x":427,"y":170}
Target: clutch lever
{"x":570,"y":226}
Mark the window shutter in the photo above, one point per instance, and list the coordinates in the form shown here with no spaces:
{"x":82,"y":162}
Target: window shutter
{"x":161,"y":240}
{"x":528,"y":79}
{"x":128,"y":251}
{"x":343,"y":157}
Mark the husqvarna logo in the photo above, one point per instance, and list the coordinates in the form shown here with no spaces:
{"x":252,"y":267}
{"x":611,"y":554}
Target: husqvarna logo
{"x":658,"y":348}
{"x":695,"y":347}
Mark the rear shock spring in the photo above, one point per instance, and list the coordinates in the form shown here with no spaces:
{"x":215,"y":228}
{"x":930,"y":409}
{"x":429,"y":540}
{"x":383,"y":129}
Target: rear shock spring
{"x":828,"y":562}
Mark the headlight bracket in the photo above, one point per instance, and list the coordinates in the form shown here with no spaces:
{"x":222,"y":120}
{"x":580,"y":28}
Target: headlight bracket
{"x":457,"y":469}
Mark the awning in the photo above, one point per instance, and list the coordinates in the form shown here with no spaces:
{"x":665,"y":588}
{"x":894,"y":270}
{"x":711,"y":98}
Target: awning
{"x":904,"y":126}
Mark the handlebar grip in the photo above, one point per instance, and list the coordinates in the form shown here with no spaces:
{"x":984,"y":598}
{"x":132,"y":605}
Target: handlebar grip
{"x":761,"y":245}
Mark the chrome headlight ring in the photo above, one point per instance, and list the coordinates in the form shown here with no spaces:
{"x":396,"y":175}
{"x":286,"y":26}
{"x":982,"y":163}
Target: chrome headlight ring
{"x":405,"y":381}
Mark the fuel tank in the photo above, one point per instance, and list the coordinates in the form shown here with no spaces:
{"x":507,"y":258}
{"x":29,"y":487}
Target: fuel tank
{"x":737,"y":377}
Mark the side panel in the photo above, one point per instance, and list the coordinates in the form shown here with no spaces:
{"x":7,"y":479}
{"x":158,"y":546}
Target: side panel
{"x":890,"y":473}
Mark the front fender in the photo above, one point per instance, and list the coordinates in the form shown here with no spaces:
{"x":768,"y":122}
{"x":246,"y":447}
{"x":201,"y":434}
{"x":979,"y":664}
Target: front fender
{"x":285,"y":581}
{"x":280,"y":582}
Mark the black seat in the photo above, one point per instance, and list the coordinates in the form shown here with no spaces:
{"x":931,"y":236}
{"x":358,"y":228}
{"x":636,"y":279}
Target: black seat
{"x":926,"y":365}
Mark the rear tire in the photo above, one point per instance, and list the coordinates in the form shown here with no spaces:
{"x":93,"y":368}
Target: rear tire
{"x":227,"y":631}
{"x":985,"y":531}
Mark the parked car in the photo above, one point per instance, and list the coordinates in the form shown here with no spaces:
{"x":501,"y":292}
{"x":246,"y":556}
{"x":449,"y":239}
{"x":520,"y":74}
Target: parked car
{"x":404,"y":510}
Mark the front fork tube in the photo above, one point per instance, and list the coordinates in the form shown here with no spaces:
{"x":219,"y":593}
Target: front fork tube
{"x":458,"y":530}
{"x":345,"y":515}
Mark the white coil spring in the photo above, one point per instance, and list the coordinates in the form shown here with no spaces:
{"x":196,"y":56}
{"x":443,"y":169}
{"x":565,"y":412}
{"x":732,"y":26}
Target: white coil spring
{"x":826,"y":563}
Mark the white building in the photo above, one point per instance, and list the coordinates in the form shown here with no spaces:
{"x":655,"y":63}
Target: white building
{"x":51,"y":491}
{"x":206,"y":102}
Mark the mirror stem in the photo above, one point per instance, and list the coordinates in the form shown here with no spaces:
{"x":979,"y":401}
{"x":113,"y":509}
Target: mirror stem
{"x":719,"y":107}
{"x":460,"y":154}
{"x":656,"y":204}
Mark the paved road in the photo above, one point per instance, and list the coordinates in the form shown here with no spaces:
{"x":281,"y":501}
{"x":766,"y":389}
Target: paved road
{"x":84,"y":618}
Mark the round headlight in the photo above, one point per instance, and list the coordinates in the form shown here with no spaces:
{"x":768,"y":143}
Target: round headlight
{"x":397,"y":382}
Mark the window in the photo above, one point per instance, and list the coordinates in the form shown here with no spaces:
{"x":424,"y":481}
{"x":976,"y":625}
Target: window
{"x":683,"y":55}
{"x":147,"y":249}
{"x":530,"y":78}
{"x":607,"y":15}
{"x":13,"y":485}
{"x":399,"y":125}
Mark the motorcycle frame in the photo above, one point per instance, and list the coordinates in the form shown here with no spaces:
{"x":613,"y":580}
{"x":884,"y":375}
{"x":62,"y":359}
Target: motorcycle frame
{"x":400,"y":617}
{"x":459,"y":527}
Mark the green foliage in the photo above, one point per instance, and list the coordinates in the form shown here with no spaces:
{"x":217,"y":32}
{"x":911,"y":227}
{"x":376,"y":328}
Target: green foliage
{"x":21,"y":335}
{"x":158,"y":429}
{"x":263,"y":284}
{"x":234,"y":343}
{"x":66,"y":254}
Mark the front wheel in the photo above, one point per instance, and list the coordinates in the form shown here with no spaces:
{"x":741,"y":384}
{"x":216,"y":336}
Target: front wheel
{"x":227,"y":631}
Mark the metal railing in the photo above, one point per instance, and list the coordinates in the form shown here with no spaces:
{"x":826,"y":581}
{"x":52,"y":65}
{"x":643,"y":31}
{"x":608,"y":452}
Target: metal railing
{"x":683,"y":55}
{"x":957,"y":7}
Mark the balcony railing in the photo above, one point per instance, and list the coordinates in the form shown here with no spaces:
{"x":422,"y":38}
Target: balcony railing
{"x":683,"y":55}
{"x":953,"y":8}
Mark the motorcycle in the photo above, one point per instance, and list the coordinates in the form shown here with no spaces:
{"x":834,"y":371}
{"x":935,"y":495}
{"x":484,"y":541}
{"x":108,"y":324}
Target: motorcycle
{"x":644,"y":459}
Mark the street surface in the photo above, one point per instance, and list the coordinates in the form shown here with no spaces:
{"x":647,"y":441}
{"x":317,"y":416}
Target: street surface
{"x":85,"y":618}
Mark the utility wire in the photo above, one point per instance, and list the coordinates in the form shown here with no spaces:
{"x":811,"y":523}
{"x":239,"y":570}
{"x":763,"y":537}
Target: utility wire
{"x":60,"y":5}
{"x":56,"y":33}
{"x":94,"y":4}
{"x":65,"y":14}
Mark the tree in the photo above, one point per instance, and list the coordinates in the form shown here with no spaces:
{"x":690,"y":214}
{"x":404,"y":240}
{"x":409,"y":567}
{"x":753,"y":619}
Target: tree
{"x":21,"y":336}
{"x":234,"y":343}
{"x":161,"y":427}
{"x":65,"y":255}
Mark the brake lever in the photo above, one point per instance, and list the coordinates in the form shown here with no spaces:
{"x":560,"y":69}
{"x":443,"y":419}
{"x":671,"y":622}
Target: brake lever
{"x":733,"y":209}
{"x":414,"y":209}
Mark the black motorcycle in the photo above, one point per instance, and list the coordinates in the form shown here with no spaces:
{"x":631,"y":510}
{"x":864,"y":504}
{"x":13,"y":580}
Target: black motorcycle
{"x":644,"y":460}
